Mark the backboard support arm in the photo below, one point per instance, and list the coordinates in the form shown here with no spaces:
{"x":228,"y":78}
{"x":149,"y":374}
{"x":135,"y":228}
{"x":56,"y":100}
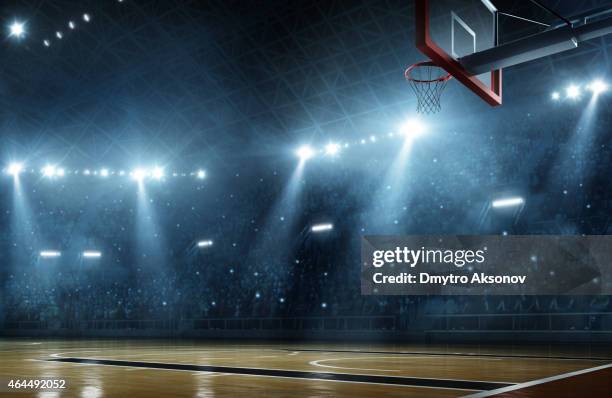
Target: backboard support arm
{"x":535,"y":46}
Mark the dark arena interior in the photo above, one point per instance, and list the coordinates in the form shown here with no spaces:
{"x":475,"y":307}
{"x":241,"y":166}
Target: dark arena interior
{"x":188,"y":188}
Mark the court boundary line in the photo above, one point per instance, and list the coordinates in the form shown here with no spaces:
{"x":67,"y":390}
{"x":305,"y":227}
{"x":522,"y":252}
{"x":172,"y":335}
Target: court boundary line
{"x":57,"y":356}
{"x":455,"y":354}
{"x":532,"y":383}
{"x":398,"y":381}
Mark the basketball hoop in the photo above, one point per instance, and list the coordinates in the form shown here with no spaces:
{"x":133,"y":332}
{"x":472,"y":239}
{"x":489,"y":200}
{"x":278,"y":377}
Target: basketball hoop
{"x":428,"y":81}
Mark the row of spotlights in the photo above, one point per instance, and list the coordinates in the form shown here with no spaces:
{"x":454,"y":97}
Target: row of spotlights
{"x":574,"y":91}
{"x":18,"y":29}
{"x":71,"y":25}
{"x":50,"y":171}
{"x":409,"y":130}
{"x":56,"y":253}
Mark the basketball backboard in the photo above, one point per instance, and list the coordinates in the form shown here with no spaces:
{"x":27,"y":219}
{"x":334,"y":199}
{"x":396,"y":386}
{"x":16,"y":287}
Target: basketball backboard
{"x":447,"y":30}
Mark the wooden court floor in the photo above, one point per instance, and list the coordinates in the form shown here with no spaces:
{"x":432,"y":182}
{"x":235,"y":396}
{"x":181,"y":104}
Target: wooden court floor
{"x":151,"y":368}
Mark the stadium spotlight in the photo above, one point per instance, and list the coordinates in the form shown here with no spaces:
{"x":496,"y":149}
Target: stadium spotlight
{"x":17,"y":29}
{"x":50,"y":253}
{"x":92,"y":254}
{"x":305,"y":152}
{"x":46,"y":43}
{"x":412,"y":128}
{"x":59,"y":34}
{"x":104,"y":173}
{"x":322,"y":227}
{"x":138,"y":174}
{"x":201,"y":174}
{"x":507,"y":202}
{"x":14,"y":169}
{"x":86,"y":17}
{"x":332,"y":149}
{"x":205,"y":243}
{"x":71,"y":25}
{"x":555,"y":96}
{"x":49,"y":171}
{"x":597,"y":87}
{"x":573,"y":92}
{"x":157,"y":173}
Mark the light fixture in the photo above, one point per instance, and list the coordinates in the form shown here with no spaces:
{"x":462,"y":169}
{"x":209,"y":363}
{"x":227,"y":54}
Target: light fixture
{"x":138,"y":174}
{"x":14,"y":169}
{"x":305,"y":152}
{"x":157,"y":173}
{"x":573,"y":92}
{"x":322,"y":227}
{"x":412,"y":128}
{"x":507,"y":202}
{"x":17,"y":29}
{"x":597,"y":87}
{"x":48,"y":171}
{"x":50,"y":253}
{"x":332,"y":149}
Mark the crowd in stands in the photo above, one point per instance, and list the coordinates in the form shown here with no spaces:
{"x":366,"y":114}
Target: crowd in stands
{"x":265,"y":261}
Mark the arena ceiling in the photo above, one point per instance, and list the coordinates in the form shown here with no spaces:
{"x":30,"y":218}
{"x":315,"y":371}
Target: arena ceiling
{"x":185,"y":80}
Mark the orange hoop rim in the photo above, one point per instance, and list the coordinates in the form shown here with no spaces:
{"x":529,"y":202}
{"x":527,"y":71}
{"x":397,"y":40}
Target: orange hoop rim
{"x":443,"y":78}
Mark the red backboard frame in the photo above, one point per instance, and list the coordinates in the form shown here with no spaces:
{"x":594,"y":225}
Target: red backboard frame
{"x":424,"y":42}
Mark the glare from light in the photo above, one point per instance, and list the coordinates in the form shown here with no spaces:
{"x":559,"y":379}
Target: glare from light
{"x":59,"y":34}
{"x":49,"y":171}
{"x":14,"y":169}
{"x":60,"y":172}
{"x":332,"y":149}
{"x":138,"y":174}
{"x":573,"y":92}
{"x":305,"y":152}
{"x":412,"y":128}
{"x":372,"y":138}
{"x":597,"y":87}
{"x":158,"y":173}
{"x":46,"y":43}
{"x":205,"y":243}
{"x":104,"y":173}
{"x":86,"y":172}
{"x":555,"y":96}
{"x":121,"y":172}
{"x":92,"y":254}
{"x":507,"y":202}
{"x":71,"y":25}
{"x":50,"y":253}
{"x":321,"y":227}
{"x":17,"y":29}
{"x":201,"y":174}
{"x":86,"y":17}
